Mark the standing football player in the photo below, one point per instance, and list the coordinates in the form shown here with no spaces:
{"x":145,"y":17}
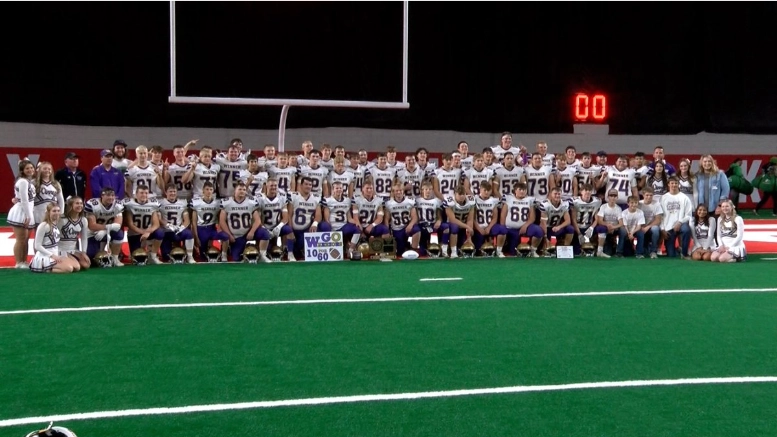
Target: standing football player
{"x":317,"y":175}
{"x":229,"y":171}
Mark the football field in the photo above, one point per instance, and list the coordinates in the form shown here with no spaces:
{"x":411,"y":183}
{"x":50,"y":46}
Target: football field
{"x":512,"y":347}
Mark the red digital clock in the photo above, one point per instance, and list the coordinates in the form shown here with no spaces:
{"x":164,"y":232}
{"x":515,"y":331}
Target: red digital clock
{"x":590,"y":109}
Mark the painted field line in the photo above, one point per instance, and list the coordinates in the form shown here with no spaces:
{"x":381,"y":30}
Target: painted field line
{"x":381,"y":300}
{"x":383,"y":397}
{"x":439,"y":279}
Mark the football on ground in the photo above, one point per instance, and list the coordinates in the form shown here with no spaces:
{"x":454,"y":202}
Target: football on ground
{"x":410,"y":254}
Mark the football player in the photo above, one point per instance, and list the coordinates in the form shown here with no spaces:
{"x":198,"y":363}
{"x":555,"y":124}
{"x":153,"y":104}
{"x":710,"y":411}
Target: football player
{"x":509,"y":175}
{"x":383,"y":177}
{"x":203,"y":170}
{"x":548,"y":159}
{"x":240,"y":219}
{"x":621,"y":179}
{"x":343,"y":175}
{"x":570,"y":157}
{"x":446,"y":179}
{"x":327,"y":161}
{"x":506,"y":145}
{"x":555,"y":218}
{"x":120,"y":161}
{"x":105,"y":216}
{"x":174,"y":219}
{"x":391,"y":159}
{"x":270,"y":158}
{"x":177,"y":170}
{"x":340,"y":152}
{"x":459,"y":210}
{"x":304,"y":158}
{"x":466,"y":158}
{"x":253,"y":177}
{"x":338,"y":217}
{"x":411,"y":177}
{"x":538,"y":178}
{"x":428,"y":209}
{"x":565,"y":178}
{"x":144,"y":173}
{"x":476,"y":176}
{"x":421,"y":157}
{"x":359,"y":172}
{"x":317,"y":175}
{"x":229,"y":171}
{"x":583,"y":211}
{"x":275,"y":214}
{"x":141,"y":215}
{"x":285,"y":174}
{"x":205,"y":217}
{"x":368,"y":209}
{"x":401,"y":217}
{"x":305,"y":213}
{"x":587,"y":173}
{"x":486,"y":223}
{"x":518,"y":219}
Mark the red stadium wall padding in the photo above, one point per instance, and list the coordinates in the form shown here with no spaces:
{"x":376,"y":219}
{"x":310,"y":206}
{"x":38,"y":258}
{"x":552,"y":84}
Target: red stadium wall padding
{"x":751,"y":165}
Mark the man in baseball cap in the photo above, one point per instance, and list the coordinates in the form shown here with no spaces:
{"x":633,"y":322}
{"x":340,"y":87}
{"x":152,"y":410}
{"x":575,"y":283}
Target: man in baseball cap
{"x":71,"y":178}
{"x":105,"y":175}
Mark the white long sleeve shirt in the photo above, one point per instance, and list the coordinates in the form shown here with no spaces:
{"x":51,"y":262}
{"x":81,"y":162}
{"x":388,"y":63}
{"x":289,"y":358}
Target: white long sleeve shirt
{"x":677,"y":208}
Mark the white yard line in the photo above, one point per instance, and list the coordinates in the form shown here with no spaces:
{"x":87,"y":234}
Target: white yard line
{"x":383,"y":300}
{"x":383,"y":397}
{"x":439,"y":279}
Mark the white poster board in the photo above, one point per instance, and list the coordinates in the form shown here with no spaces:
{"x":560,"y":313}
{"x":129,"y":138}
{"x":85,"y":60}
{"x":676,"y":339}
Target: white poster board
{"x":323,"y":246}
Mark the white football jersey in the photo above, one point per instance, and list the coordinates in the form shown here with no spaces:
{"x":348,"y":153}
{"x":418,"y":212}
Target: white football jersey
{"x":303,"y":210}
{"x":427,"y":210}
{"x":383,"y":179}
{"x":399,"y":213}
{"x":145,"y":176}
{"x":448,"y":180}
{"x":229,"y":174}
{"x":499,"y":152}
{"x":588,"y":175}
{"x":428,"y":169}
{"x":623,"y":181}
{"x":207,"y":212}
{"x":344,"y":178}
{"x":554,"y":213}
{"x":257,"y":182}
{"x":102,"y":214}
{"x":329,"y":164}
{"x":239,"y":215}
{"x":538,"y":181}
{"x":339,"y":210}
{"x":485,"y":210}
{"x":466,"y":163}
{"x":460,"y":211}
{"x":176,"y":176}
{"x":367,"y":209}
{"x":272,"y":209}
{"x":284,"y":177}
{"x":518,"y":210}
{"x":359,"y":174}
{"x":414,"y":178}
{"x":566,"y":178}
{"x":318,"y":175}
{"x":142,"y":213}
{"x":204,"y":174}
{"x":585,"y":211}
{"x":477,"y":178}
{"x":508,"y":178}
{"x":172,"y":212}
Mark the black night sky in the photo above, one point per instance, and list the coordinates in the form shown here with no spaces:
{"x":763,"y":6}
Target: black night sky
{"x":486,"y":67}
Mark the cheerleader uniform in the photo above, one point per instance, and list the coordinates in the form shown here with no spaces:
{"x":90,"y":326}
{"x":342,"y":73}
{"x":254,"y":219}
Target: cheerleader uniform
{"x":659,"y":189}
{"x":71,"y":232}
{"x":45,"y":194}
{"x":46,"y":247}
{"x":24,"y":191}
{"x":731,"y":234}
{"x":703,"y":235}
{"x":686,"y":187}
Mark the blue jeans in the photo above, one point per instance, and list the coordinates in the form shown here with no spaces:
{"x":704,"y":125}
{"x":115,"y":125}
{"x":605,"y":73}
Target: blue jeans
{"x":623,"y":237}
{"x":685,"y":240}
{"x":652,"y":236}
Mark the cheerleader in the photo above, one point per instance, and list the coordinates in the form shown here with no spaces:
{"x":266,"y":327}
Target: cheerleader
{"x":47,"y":257}
{"x":20,"y":217}
{"x":47,"y":190}
{"x":687,"y":186}
{"x":703,"y":233}
{"x":658,"y":180}
{"x":731,"y":229}
{"x":72,"y":228}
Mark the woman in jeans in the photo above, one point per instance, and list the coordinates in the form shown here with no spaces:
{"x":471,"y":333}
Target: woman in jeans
{"x":711,"y":185}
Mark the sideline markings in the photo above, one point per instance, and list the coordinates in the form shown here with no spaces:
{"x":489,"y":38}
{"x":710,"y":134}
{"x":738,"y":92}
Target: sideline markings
{"x":383,"y":397}
{"x":383,"y":299}
{"x":440,"y":279}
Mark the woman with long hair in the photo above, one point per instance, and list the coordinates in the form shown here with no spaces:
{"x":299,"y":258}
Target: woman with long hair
{"x":47,"y":257}
{"x":72,"y":227}
{"x":47,"y":190}
{"x":687,"y":180}
{"x":711,"y":184}
{"x":658,"y":180}
{"x":730,"y":232}
{"x":703,"y":234}
{"x":20,"y":217}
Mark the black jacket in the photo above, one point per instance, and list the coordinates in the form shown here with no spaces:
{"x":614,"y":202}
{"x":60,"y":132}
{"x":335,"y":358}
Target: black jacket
{"x":73,"y":184}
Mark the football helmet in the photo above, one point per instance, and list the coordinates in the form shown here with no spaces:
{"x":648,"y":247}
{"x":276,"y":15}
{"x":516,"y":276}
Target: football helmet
{"x":364,"y":249}
{"x":550,"y":251}
{"x":213,"y":255}
{"x":103,"y":260}
{"x":177,"y":255}
{"x":434,"y":250}
{"x":52,"y":431}
{"x":488,"y":248}
{"x":276,"y":253}
{"x":588,"y":249}
{"x":468,"y":249}
{"x":139,"y":257}
{"x":251,"y":254}
{"x":524,"y":250}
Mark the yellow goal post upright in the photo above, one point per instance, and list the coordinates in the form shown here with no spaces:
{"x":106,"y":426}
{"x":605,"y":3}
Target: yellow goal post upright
{"x":288,"y":103}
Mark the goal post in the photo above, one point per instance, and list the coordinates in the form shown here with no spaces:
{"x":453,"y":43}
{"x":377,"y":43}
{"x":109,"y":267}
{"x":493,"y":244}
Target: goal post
{"x":288,"y":103}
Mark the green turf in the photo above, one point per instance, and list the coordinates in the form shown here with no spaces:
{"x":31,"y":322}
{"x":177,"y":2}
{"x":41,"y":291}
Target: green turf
{"x":105,"y":360}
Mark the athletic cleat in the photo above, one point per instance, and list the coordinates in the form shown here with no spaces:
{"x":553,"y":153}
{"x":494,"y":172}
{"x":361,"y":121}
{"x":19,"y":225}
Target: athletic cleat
{"x":454,"y":255}
{"x":653,"y":255}
{"x":116,"y":261}
{"x":602,"y":255}
{"x":154,"y":259}
{"x":190,"y":260}
{"x":500,"y":255}
{"x":263,"y":258}
{"x":640,"y":256}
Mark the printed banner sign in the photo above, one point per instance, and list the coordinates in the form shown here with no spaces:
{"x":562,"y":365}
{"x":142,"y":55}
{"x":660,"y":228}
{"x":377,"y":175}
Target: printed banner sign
{"x":323,"y":246}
